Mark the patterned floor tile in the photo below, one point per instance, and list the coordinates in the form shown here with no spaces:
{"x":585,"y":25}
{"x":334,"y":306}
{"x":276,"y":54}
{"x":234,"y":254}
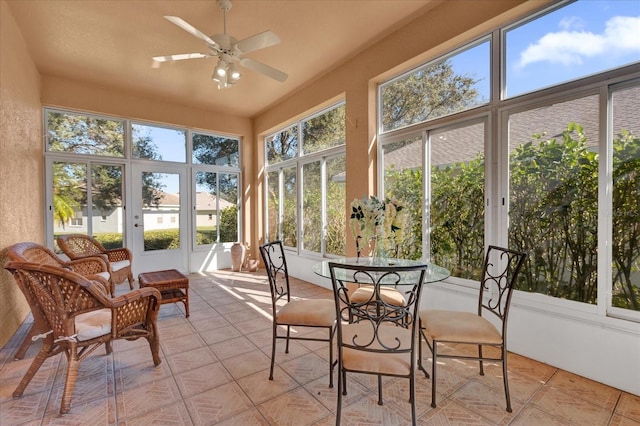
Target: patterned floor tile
{"x":140,"y":374}
{"x":232,"y":347}
{"x":250,"y":417}
{"x":367,"y":411}
{"x":28,"y":408}
{"x":260,"y":390}
{"x":215,"y":369}
{"x":320,"y":390}
{"x":100,"y":411}
{"x":306,"y":368}
{"x":175,"y":414}
{"x":588,"y":390}
{"x":629,"y":406}
{"x":220,"y":334}
{"x":570,"y":407}
{"x":245,"y":364}
{"x":533,"y":416}
{"x":618,"y":420}
{"x":450,"y":413}
{"x":152,"y":396}
{"x":87,"y":389}
{"x":485,"y":401}
{"x":295,"y":408}
{"x":181,"y":344}
{"x":191,"y":360}
{"x":202,"y":379}
{"x":217,"y":404}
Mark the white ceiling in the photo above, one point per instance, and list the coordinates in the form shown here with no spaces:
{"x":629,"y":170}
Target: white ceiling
{"x":111,"y":42}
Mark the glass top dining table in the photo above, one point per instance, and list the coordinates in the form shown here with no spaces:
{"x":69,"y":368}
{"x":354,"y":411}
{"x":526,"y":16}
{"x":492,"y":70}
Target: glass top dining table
{"x":433,"y":274}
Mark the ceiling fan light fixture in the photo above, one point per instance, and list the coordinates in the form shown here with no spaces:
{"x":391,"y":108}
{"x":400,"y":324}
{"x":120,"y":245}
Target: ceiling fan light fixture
{"x":234,"y":73}
{"x":221,"y":68}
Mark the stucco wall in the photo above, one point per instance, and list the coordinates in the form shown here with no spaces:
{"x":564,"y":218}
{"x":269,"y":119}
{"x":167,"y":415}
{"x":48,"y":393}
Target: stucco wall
{"x":21,"y":162}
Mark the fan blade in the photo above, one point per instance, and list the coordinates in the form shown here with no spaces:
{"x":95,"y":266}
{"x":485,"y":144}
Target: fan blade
{"x":263,"y":69}
{"x":180,"y":57}
{"x":257,"y":41}
{"x":191,"y":30}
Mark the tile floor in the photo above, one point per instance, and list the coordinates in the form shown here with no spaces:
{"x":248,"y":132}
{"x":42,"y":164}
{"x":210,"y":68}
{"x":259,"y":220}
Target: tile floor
{"x":214,"y":371}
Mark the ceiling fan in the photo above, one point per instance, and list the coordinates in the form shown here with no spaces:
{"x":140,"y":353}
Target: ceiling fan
{"x":228,"y":50}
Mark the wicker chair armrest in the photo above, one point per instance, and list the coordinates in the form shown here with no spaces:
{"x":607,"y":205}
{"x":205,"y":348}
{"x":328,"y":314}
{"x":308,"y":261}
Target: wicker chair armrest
{"x":123,"y":300}
{"x":136,"y":307}
{"x":118,"y":254}
{"x":88,"y":265}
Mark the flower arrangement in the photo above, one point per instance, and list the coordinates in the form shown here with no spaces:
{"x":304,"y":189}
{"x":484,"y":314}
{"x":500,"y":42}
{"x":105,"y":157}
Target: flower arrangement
{"x":379,"y":221}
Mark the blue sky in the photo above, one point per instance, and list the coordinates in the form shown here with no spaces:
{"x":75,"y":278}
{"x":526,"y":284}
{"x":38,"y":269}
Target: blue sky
{"x":581,"y":39}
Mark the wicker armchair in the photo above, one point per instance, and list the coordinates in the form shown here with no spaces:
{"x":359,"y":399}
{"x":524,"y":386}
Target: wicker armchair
{"x":80,"y":317}
{"x":93,"y":267}
{"x":119,"y":260}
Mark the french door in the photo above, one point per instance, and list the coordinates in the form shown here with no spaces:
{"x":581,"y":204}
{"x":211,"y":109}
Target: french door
{"x":159,"y":230}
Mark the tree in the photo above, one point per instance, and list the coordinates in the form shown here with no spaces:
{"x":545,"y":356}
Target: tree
{"x":626,"y":221}
{"x":82,"y":134}
{"x":432,"y":91}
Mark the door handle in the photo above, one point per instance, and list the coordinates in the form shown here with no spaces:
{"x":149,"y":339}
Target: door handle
{"x":136,"y":225}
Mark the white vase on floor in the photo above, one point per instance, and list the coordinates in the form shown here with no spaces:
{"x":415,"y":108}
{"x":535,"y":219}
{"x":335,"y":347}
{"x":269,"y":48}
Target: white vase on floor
{"x":238,"y":252}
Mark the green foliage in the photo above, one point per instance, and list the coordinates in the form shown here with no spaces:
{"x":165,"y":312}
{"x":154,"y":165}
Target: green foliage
{"x":430,"y":92}
{"x":324,"y":131}
{"x":457,"y":217}
{"x":162,"y":239}
{"x":229,"y":224}
{"x":626,"y":221}
{"x":553,"y":215}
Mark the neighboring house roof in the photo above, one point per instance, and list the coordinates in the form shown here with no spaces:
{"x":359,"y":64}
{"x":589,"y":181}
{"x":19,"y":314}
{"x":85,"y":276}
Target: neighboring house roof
{"x":207,"y":201}
{"x":463,"y":144}
{"x":204,"y":201}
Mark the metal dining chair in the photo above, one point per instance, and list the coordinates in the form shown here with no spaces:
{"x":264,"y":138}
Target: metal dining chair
{"x":375,"y":336}
{"x":437,"y":327}
{"x":288,"y":312}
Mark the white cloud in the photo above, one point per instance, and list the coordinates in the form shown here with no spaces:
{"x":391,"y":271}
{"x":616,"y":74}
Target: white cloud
{"x":571,"y":47}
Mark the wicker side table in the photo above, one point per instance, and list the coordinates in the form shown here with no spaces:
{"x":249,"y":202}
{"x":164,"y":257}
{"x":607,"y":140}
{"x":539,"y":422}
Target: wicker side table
{"x":172,"y":284}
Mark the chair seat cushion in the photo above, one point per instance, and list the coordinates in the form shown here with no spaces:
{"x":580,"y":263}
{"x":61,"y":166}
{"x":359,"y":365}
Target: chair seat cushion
{"x":382,"y":362}
{"x":93,"y":324}
{"x":116,"y":266}
{"x":318,"y":312}
{"x":463,"y":327}
{"x":388,"y":295}
{"x":104,"y":275}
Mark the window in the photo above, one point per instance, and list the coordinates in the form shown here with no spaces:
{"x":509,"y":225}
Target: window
{"x":217,"y":215}
{"x":579,"y":39}
{"x":455,"y":195}
{"x":306,"y":162}
{"x":72,"y":203}
{"x":556,"y":175}
{"x":445,"y":86}
{"x":75,"y":140}
{"x":625,"y":145}
{"x":158,"y":143}
{"x":84,"y":134}
{"x":553,"y":197}
{"x":215,"y":150}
